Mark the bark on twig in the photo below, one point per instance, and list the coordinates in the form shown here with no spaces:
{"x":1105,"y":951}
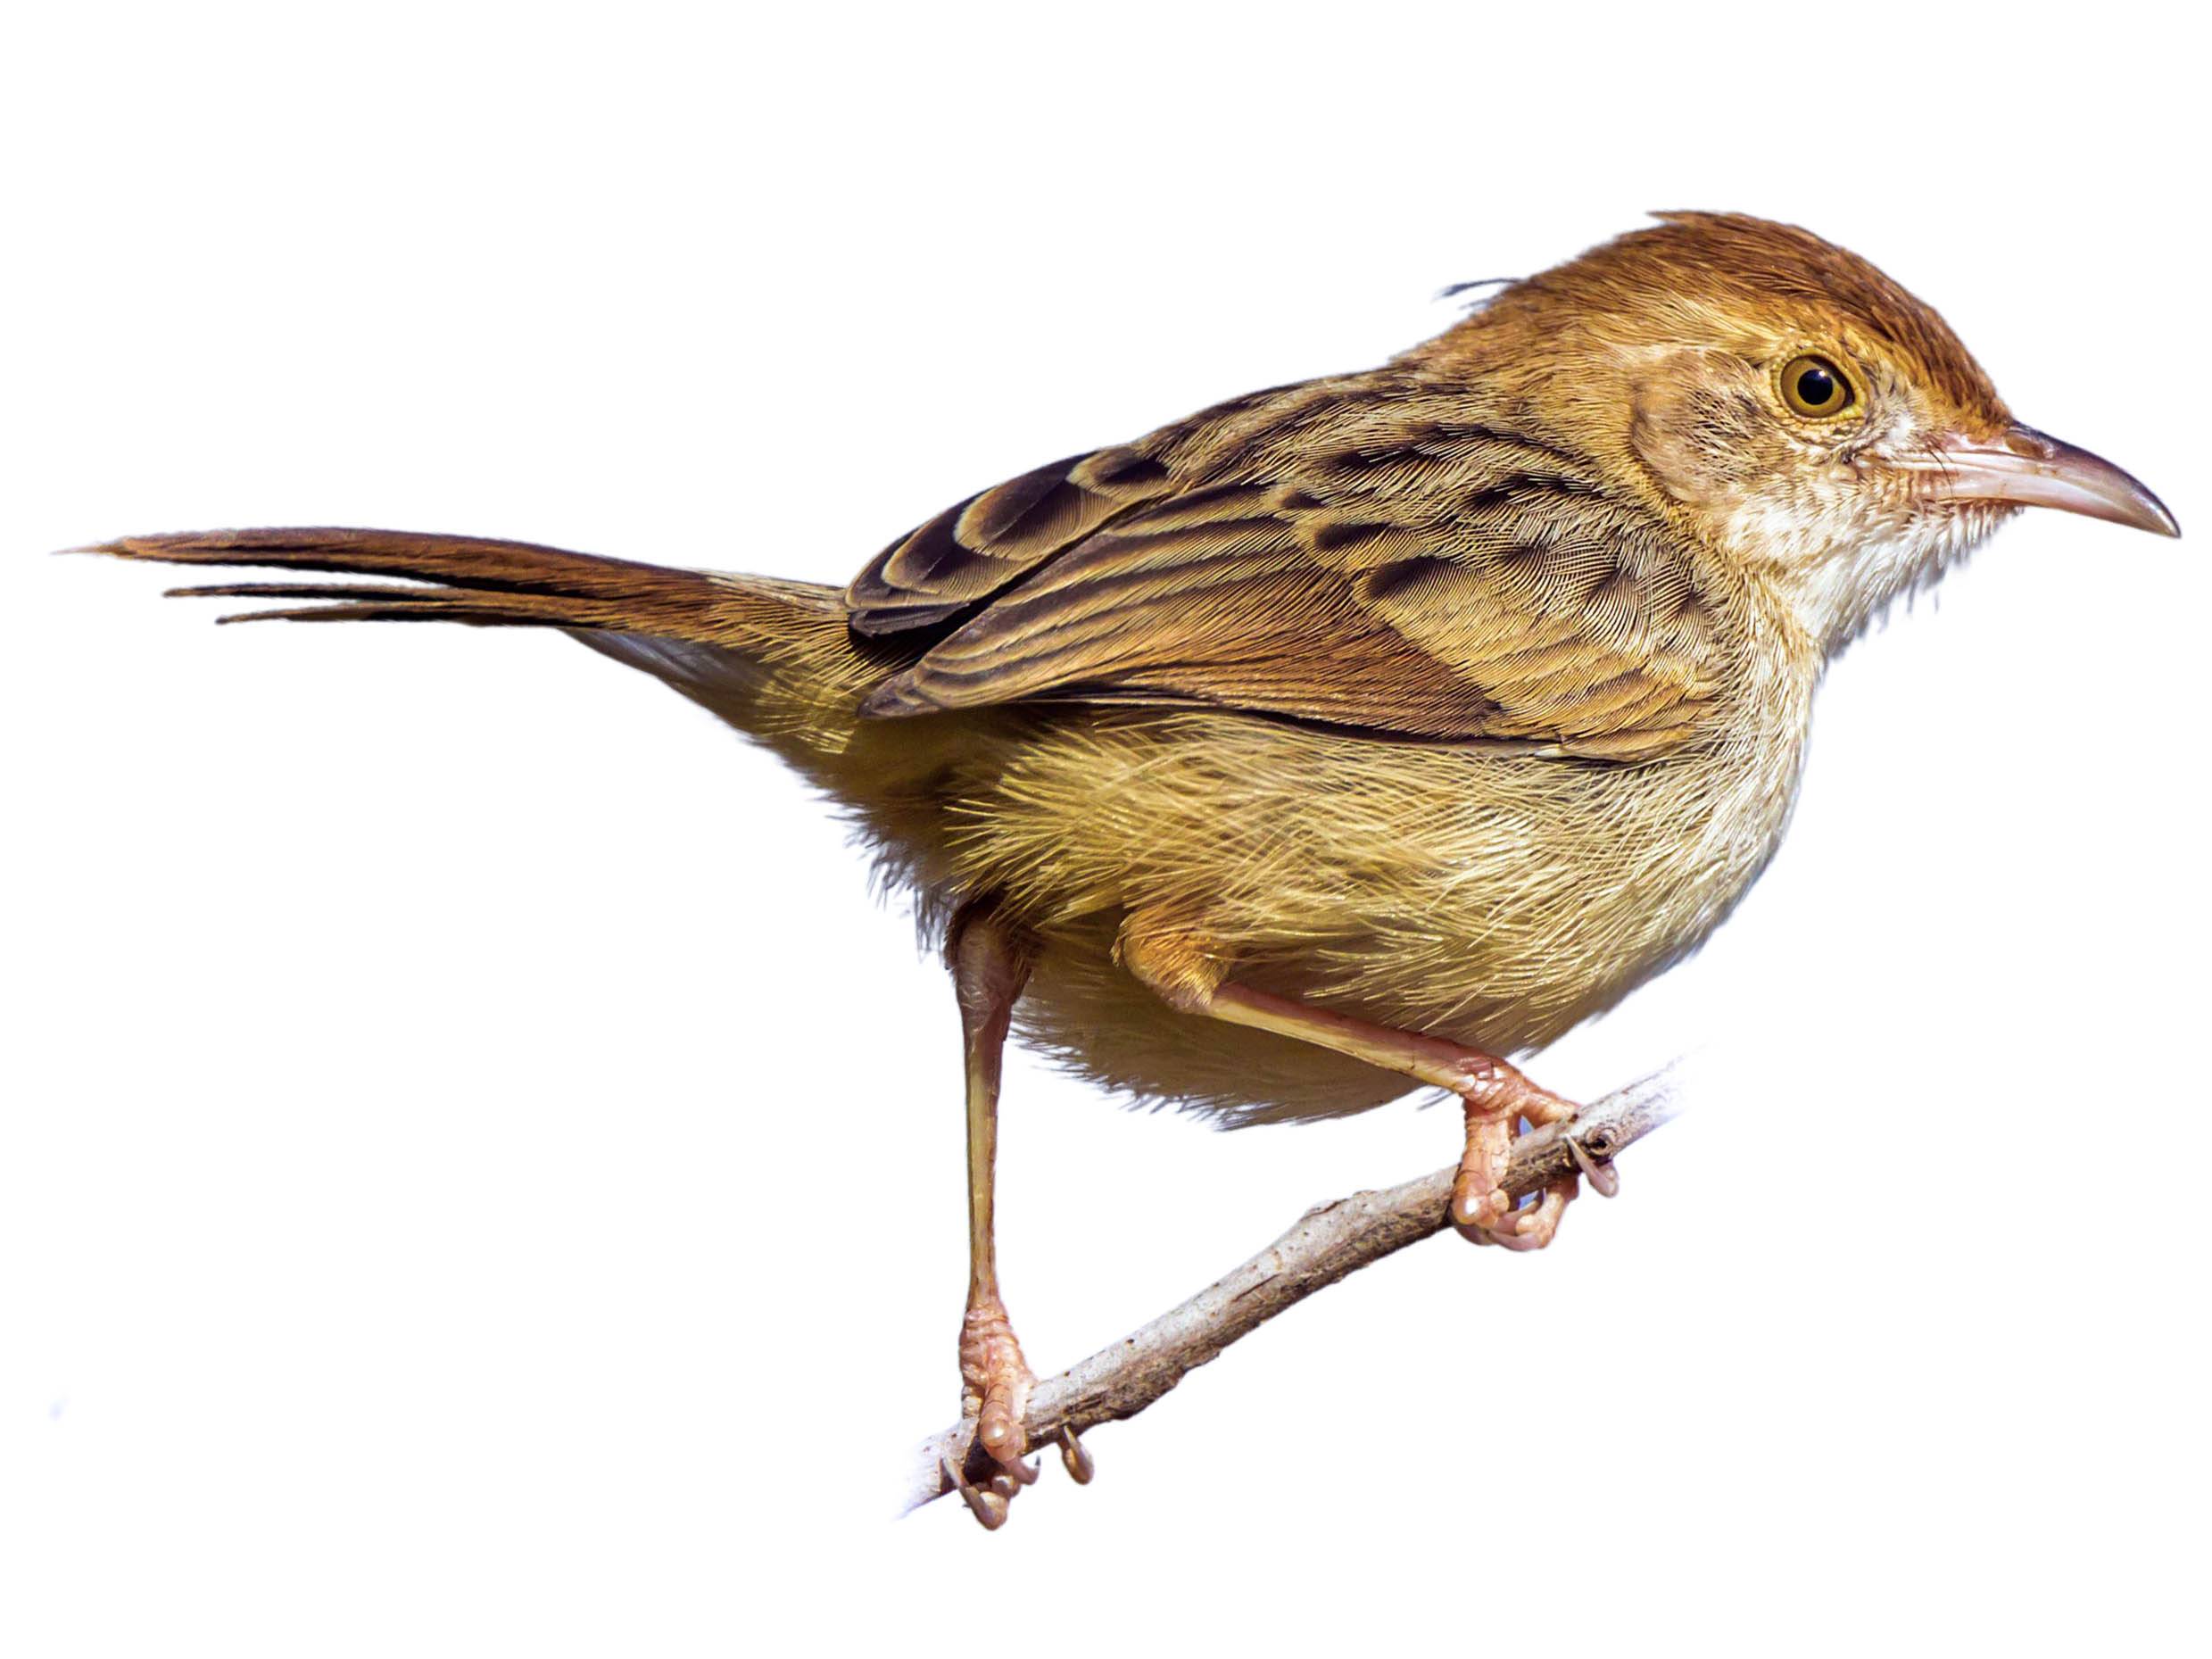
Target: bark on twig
{"x":1327,"y":1243}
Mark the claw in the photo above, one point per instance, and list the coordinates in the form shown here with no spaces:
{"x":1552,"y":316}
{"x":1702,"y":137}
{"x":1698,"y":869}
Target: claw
{"x":1076,"y":1457}
{"x":1600,"y":1172}
{"x":990,"y":1507}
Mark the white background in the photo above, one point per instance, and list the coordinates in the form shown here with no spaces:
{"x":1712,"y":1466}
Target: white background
{"x":479,"y":1174}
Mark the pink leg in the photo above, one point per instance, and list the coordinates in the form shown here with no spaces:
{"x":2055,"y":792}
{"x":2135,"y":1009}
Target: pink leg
{"x":989,"y":965}
{"x":1496,"y":1096}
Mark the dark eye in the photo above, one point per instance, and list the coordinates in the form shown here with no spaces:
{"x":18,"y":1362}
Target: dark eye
{"x":1815,"y":386}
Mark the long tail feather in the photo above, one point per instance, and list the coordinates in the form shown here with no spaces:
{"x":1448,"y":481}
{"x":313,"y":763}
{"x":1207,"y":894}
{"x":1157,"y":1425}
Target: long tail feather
{"x":398,"y":605}
{"x":501,"y":584}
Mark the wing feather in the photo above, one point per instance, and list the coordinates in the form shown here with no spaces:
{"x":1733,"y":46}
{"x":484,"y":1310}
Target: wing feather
{"x":1369,"y":559}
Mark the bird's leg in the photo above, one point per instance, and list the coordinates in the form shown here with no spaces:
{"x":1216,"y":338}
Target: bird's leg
{"x":991,"y":963}
{"x":1496,"y":1096}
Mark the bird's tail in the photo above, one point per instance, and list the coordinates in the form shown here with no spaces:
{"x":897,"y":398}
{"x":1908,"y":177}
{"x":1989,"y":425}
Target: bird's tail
{"x":774,"y":658}
{"x":460,"y":578}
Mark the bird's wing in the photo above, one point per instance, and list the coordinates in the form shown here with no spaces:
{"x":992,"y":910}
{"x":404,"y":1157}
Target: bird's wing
{"x":976,"y":549}
{"x":972,"y":551}
{"x":1385,"y":570}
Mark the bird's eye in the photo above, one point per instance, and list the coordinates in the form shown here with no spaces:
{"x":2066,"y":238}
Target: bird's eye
{"x":1815,"y":387}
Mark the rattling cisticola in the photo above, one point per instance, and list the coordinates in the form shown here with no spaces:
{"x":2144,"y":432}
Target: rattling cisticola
{"x":1344,"y":737}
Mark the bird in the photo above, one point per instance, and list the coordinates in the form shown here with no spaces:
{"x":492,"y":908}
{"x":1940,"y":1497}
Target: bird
{"x":1352,"y":737}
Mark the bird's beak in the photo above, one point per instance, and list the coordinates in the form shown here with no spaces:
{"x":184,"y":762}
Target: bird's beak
{"x":2029,"y":468}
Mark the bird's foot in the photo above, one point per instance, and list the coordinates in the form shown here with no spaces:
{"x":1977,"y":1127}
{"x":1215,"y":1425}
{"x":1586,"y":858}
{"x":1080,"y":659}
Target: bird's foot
{"x":995,"y":1385}
{"x":996,"y":1382}
{"x":1498,"y":1098}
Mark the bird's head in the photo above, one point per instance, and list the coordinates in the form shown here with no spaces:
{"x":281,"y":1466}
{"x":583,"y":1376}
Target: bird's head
{"x":1821,"y":424}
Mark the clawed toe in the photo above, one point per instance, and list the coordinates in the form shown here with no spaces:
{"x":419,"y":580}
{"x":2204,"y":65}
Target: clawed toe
{"x":998,"y":1423}
{"x":988,"y":1502}
{"x":1076,"y":1455}
{"x":995,"y":1384}
{"x":1481,"y":1208}
{"x":1603,"y":1177}
{"x":1478,"y":1203}
{"x":995,"y":1396}
{"x":1532,"y":1226}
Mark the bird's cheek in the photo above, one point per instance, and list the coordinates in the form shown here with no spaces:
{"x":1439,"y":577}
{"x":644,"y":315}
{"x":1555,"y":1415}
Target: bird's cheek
{"x":1697,"y":438}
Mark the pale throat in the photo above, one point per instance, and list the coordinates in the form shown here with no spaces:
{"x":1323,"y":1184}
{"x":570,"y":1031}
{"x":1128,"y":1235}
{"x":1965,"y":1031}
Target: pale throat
{"x":1837,"y":571}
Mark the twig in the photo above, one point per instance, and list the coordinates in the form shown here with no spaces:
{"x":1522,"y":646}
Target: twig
{"x":1327,"y":1243}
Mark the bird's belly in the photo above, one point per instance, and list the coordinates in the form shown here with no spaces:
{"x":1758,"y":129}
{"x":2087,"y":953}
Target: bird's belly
{"x":1497,"y":900}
